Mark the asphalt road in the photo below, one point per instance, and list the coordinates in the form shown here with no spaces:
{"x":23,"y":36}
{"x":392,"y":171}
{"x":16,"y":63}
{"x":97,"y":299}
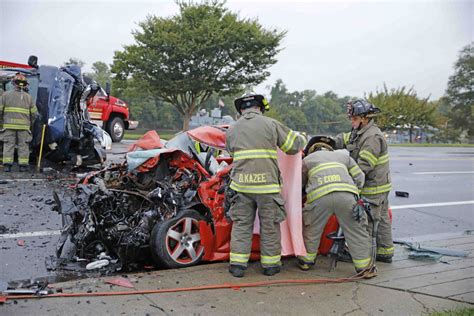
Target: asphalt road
{"x":443,"y":178}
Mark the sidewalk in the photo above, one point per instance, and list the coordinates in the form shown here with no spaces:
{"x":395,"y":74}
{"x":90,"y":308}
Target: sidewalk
{"x":405,"y":287}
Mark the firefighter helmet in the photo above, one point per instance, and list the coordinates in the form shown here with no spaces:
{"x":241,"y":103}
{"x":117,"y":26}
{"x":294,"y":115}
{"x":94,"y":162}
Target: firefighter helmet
{"x":318,"y":143}
{"x":251,"y":99}
{"x":20,"y":81}
{"x":361,"y":107}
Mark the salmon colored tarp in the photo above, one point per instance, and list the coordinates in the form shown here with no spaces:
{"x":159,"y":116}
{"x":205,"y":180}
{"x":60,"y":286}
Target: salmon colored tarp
{"x":292,"y":228}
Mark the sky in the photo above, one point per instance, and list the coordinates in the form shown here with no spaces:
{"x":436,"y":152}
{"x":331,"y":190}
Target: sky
{"x":348,"y":47}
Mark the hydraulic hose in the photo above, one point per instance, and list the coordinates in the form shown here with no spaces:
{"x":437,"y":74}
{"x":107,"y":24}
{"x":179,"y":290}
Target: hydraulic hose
{"x":355,"y":277}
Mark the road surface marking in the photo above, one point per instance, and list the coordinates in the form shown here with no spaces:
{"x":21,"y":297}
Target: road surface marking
{"x":444,"y":172}
{"x":31,"y":234}
{"x":20,"y":180}
{"x":393,"y":207}
{"x":399,"y":207}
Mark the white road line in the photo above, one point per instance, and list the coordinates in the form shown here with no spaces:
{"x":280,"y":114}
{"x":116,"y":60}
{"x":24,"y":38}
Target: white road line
{"x":393,"y":207}
{"x":31,"y":234}
{"x":399,"y":207}
{"x":21,"y":180}
{"x":444,"y":172}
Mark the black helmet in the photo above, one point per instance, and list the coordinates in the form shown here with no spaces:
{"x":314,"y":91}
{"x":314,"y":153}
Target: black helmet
{"x":319,"y":142}
{"x":361,"y":107}
{"x":249,"y":100}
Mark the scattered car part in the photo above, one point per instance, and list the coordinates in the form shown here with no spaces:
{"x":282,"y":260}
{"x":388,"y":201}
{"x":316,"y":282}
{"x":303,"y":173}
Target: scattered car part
{"x":402,"y":194}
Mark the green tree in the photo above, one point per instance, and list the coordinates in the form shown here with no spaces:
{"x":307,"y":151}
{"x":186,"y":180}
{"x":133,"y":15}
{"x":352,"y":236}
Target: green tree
{"x":403,"y":107}
{"x":204,"y":49}
{"x":74,"y":61}
{"x":307,"y":111}
{"x":101,"y":73}
{"x":460,"y":92}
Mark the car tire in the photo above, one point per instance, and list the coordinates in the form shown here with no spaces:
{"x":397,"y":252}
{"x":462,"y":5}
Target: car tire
{"x":116,"y":129}
{"x":176,"y":242}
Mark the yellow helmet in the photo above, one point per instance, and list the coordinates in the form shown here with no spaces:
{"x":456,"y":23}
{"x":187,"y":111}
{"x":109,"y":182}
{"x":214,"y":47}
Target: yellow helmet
{"x":20,"y":81}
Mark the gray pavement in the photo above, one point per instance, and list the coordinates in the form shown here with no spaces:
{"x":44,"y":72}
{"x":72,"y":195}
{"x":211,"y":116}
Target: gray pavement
{"x":405,"y":287}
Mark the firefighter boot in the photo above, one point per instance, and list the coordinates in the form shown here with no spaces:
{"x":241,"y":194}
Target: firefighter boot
{"x":7,"y":168}
{"x":384,"y":258}
{"x":237,"y":271}
{"x":271,"y":271}
{"x":303,"y":265}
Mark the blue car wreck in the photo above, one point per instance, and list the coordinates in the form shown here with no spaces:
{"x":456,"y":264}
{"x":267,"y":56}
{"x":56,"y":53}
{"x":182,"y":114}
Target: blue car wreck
{"x":60,"y":94}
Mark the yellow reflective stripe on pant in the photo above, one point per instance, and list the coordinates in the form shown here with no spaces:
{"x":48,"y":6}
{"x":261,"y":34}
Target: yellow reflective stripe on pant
{"x":239,"y":257}
{"x":361,"y":263}
{"x":254,"y":154}
{"x":309,"y":258}
{"x":270,"y":260}
{"x":369,"y":157}
{"x":16,"y":126}
{"x":257,"y":189}
{"x":12,"y":109}
{"x":385,"y":251}
{"x":23,"y":161}
{"x":328,"y":188}
{"x":376,"y":190}
{"x":324,"y":166}
{"x":290,"y":139}
{"x":7,"y":160}
{"x":355,"y":171}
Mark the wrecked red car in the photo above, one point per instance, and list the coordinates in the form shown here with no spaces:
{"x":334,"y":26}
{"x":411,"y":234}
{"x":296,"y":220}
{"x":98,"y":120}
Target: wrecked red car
{"x":166,"y":202}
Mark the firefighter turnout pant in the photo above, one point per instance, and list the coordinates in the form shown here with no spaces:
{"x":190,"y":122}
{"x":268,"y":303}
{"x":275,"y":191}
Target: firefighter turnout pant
{"x":384,"y":234}
{"x":315,"y":218}
{"x":271,"y":213}
{"x":11,"y":138}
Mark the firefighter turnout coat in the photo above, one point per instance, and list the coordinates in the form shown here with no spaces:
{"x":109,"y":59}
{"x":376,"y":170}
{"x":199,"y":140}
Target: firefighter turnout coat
{"x":332,"y":181}
{"x":17,"y":113}
{"x":252,"y":142}
{"x":369,"y":149}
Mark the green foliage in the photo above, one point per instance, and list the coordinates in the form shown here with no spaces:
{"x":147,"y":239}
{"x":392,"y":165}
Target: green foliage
{"x":307,"y":111}
{"x":101,"y":73}
{"x":467,"y":311}
{"x":205,"y":49}
{"x":402,"y":107}
{"x":460,"y":92}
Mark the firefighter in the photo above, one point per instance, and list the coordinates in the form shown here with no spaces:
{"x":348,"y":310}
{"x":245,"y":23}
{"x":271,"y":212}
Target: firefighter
{"x":368,"y":147}
{"x":332,"y":180}
{"x":252,"y":142}
{"x":17,"y":111}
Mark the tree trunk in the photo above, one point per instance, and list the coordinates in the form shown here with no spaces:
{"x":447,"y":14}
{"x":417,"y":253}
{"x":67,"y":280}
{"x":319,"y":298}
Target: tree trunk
{"x":410,"y":133}
{"x":186,"y":119}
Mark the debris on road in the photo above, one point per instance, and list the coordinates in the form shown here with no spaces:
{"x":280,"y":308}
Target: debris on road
{"x":120,"y":282}
{"x":402,"y":194}
{"x":431,"y":253}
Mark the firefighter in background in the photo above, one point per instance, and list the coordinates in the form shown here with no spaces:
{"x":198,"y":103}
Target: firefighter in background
{"x":17,"y":111}
{"x":368,"y":147}
{"x":332,"y":180}
{"x":252,"y":142}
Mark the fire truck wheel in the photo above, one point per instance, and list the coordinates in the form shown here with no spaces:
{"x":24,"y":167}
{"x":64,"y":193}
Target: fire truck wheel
{"x":176,"y":242}
{"x":116,"y":129}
